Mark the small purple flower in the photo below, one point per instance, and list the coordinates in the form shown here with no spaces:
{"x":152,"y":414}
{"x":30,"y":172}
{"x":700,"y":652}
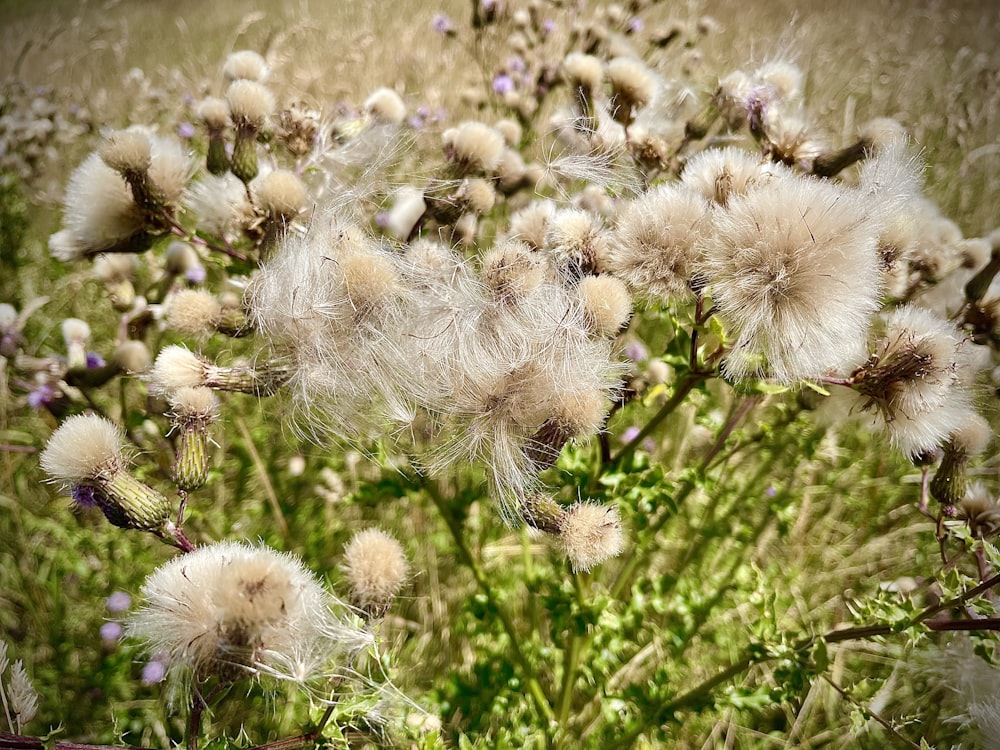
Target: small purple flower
{"x":95,"y":360}
{"x":516,"y":64}
{"x":196,"y":274}
{"x":488,"y":5}
{"x":154,"y":671}
{"x":118,"y":602}
{"x":503,"y":84}
{"x":634,"y":25}
{"x":630,"y":434}
{"x":442,"y":24}
{"x":636,"y":351}
{"x":548,"y":26}
{"x":382,"y":219}
{"x":85,"y":496}
{"x":771,"y":491}
{"x":415,"y":121}
{"x":111,"y":632}
{"x":42,"y":395}
{"x":186,"y":130}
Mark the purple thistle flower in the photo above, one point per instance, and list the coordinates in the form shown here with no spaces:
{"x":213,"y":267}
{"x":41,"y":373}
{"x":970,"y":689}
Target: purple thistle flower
{"x":442,"y":24}
{"x":111,"y":632}
{"x":548,"y":26}
{"x":382,"y":219}
{"x":42,"y":395}
{"x":154,"y":672}
{"x":186,"y":130}
{"x":118,"y":602}
{"x":86,"y":496}
{"x":516,"y":64}
{"x":503,"y":84}
{"x":630,"y":434}
{"x":634,"y":25}
{"x":95,"y":360}
{"x":196,"y":274}
{"x":636,"y":351}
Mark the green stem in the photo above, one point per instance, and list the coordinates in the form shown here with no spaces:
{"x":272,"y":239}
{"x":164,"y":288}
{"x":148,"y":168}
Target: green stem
{"x":681,"y":391}
{"x":571,"y":657}
{"x":759,"y":656}
{"x":534,"y":687}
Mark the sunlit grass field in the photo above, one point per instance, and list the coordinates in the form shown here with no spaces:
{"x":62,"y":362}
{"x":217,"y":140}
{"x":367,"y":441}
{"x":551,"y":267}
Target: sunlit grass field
{"x":800,"y":530}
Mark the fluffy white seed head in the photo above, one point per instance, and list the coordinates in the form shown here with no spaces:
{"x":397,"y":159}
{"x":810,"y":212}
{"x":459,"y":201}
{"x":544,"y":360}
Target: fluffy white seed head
{"x":83,"y":448}
{"x":606,"y":303}
{"x":511,"y":271}
{"x":75,"y":331}
{"x":193,"y":312}
{"x":280,"y":193}
{"x":911,"y":383}
{"x":385,"y":105}
{"x":578,"y":242}
{"x":376,"y":567}
{"x":245,"y":64}
{"x":114,"y":268}
{"x":882,"y":132}
{"x":717,"y":173}
{"x":214,"y":112}
{"x":407,"y":208}
{"x":631,"y":81}
{"x":589,"y":534}
{"x":127,"y":151}
{"x":659,"y":241}
{"x":971,"y":436}
{"x":23,"y":696}
{"x":198,"y":404}
{"x":180,"y":257}
{"x":793,"y":269}
{"x":531,"y":223}
{"x":176,"y":367}
{"x":235,"y":610}
{"x":981,"y":509}
{"x":219,"y":204}
{"x":250,"y":103}
{"x":474,"y":145}
{"x":510,"y":130}
{"x":133,"y":356}
{"x":582,"y":70}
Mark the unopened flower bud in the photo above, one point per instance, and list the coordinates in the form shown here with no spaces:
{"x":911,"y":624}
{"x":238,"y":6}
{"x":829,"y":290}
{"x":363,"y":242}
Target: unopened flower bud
{"x":193,"y":411}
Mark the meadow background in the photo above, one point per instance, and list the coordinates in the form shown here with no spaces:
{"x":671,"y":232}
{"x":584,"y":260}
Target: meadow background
{"x":815,"y":532}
